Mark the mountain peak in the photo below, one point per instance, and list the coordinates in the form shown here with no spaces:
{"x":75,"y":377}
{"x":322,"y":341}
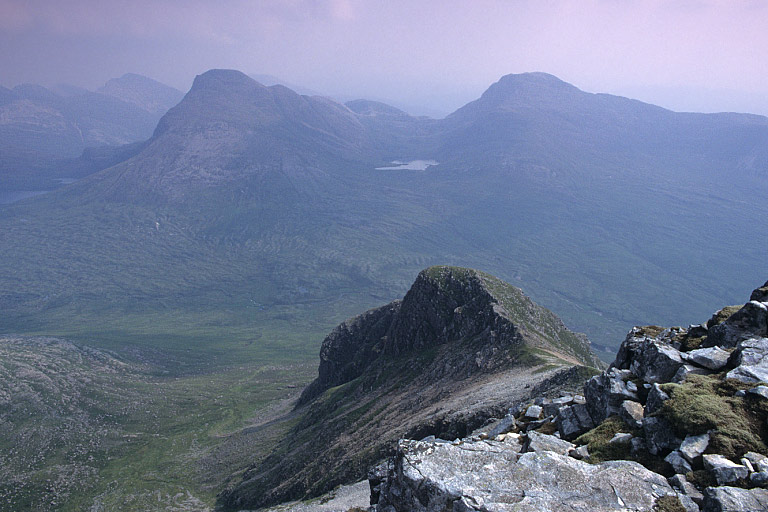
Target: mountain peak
{"x":446,"y":304}
{"x":223,"y":77}
{"x":528,"y":89}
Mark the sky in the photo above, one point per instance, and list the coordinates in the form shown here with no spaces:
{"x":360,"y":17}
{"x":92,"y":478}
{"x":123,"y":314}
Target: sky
{"x":429,"y":56}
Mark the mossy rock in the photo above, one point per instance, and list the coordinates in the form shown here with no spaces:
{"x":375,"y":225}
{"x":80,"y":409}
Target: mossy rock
{"x":650,"y":330}
{"x":706,"y":403}
{"x":598,"y":441}
{"x":722,"y":315}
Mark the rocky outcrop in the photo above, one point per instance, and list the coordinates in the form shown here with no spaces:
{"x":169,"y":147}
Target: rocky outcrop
{"x":498,"y":323}
{"x":669,"y":426}
{"x":455,"y":354}
{"x":495,"y":475}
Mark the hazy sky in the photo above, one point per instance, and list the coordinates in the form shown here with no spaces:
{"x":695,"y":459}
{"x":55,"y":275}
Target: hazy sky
{"x":703,"y":55}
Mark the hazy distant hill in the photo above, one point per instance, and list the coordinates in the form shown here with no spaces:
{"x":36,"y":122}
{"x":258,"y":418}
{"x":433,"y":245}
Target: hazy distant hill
{"x":257,"y":212}
{"x":39,"y":127}
{"x":145,"y":93}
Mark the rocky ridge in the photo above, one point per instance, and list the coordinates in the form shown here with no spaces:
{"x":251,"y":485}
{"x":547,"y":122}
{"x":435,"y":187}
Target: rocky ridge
{"x":678,"y":422}
{"x":458,"y":351}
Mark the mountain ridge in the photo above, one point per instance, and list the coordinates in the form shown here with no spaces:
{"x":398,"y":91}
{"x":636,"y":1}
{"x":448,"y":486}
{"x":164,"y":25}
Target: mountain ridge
{"x":376,"y":384}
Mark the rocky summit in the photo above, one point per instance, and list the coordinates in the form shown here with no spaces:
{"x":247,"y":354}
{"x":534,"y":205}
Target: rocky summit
{"x":454,"y":354}
{"x":679,"y":422}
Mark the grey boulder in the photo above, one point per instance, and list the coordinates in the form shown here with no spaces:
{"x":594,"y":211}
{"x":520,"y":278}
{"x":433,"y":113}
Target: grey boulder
{"x":724,"y":470}
{"x":573,"y":420}
{"x":693,"y":446}
{"x":734,"y":499}
{"x":713,"y":358}
{"x":751,"y":361}
{"x":424,"y":477}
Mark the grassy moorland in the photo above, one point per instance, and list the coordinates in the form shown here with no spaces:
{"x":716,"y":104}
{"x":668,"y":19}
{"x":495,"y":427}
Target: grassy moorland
{"x":84,"y":430}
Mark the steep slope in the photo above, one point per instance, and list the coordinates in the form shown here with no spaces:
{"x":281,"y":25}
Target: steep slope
{"x":460,"y":348}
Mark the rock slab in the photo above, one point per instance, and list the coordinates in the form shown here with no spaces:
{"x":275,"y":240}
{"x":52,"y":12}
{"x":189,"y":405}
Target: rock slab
{"x":486,"y":475}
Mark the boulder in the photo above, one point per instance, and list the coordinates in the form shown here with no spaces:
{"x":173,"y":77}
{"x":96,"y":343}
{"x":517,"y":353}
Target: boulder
{"x":574,"y":420}
{"x":482,"y":476}
{"x":632,"y":413}
{"x":724,"y":470}
{"x":621,"y":437}
{"x":533,"y":412}
{"x":678,"y":462}
{"x":693,"y":446}
{"x":553,"y":407}
{"x":688,"y":369}
{"x":734,"y":499}
{"x":681,"y":484}
{"x":659,"y":435}
{"x":759,"y":461}
{"x":761,"y":391}
{"x":751,"y":321}
{"x":713,"y":358}
{"x":656,"y":398}
{"x":606,"y":392}
{"x":506,"y":424}
{"x":759,"y":479}
{"x":538,"y":442}
{"x":656,"y":362}
{"x":751,"y":361}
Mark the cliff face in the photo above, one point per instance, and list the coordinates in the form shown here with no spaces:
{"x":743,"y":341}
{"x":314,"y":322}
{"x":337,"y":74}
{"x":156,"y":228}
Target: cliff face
{"x":496,"y":323}
{"x":458,"y":350}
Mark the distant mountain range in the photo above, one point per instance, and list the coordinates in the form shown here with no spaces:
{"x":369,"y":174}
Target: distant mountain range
{"x":39,"y":127}
{"x":260,"y":212}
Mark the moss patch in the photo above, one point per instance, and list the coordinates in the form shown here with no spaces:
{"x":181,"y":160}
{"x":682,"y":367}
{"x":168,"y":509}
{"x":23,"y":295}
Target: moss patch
{"x":722,"y":315}
{"x":598,"y":441}
{"x":650,"y":330}
{"x":668,"y":504}
{"x":706,"y":403}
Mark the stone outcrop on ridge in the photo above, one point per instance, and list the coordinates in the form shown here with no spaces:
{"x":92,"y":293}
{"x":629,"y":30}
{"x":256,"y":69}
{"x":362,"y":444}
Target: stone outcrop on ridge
{"x":687,"y":404}
{"x":455,"y":353}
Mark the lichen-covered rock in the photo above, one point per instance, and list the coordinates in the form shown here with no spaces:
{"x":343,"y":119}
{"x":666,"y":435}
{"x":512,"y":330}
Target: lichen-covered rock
{"x":734,"y":499}
{"x":427,"y":477}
